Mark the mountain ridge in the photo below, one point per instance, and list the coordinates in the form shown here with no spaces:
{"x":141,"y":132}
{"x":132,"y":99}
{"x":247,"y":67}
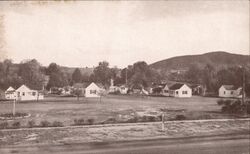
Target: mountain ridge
{"x":217,"y":59}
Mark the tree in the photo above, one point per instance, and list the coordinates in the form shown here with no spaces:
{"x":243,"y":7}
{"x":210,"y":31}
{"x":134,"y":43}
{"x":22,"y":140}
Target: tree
{"x":78,"y":93}
{"x":143,"y":75}
{"x":102,"y":73}
{"x":208,"y":79}
{"x":30,"y":72}
{"x":56,"y":77}
{"x":77,"y":76}
{"x":194,"y":74}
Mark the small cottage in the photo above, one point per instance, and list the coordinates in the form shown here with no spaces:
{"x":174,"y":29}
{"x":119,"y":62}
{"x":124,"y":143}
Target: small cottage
{"x":230,"y":91}
{"x":25,"y":93}
{"x":10,"y":93}
{"x":90,"y":89}
{"x":123,"y":89}
{"x":180,"y":90}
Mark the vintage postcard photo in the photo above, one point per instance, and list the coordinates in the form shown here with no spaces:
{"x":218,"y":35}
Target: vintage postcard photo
{"x":125,"y":77}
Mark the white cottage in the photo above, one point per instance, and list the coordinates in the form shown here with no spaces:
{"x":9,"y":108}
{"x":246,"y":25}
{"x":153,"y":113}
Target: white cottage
{"x":165,"y":90}
{"x":10,"y":93}
{"x":90,"y":90}
{"x":180,"y":90}
{"x":93,"y":90}
{"x":25,"y":93}
{"x":230,"y":91}
{"x":123,"y":89}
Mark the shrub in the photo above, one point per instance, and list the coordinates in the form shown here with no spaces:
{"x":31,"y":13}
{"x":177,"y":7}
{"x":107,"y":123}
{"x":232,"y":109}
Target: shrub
{"x":79,"y":121}
{"x":57,"y":124}
{"x":180,"y":117}
{"x":234,"y":106}
{"x":110,"y":120}
{"x":4,"y":125}
{"x":152,"y":119}
{"x":91,"y":121}
{"x":44,"y":123}
{"x":31,"y":123}
{"x":17,"y":114}
{"x":133,"y":120}
{"x":16,"y":124}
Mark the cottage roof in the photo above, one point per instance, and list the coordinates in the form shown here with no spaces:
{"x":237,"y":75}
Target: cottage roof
{"x":176,"y":86}
{"x":86,"y":84}
{"x":10,"y":89}
{"x":23,"y":87}
{"x":100,"y":85}
{"x":230,"y":87}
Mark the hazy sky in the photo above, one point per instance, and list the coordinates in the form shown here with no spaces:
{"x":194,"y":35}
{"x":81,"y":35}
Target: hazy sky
{"x":82,"y":33}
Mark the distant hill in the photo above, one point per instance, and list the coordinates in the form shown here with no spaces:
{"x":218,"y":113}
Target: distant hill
{"x":217,"y":59}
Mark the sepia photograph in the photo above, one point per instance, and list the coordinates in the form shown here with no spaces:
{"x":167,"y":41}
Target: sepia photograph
{"x":125,"y":77}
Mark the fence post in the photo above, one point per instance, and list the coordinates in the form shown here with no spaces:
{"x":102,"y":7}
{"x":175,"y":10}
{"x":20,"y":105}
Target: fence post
{"x":162,"y":119}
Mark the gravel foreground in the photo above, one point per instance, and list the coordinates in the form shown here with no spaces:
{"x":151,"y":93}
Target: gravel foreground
{"x":122,"y":132}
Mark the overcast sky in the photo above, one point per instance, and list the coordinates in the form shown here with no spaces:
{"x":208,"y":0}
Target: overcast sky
{"x":82,"y":33}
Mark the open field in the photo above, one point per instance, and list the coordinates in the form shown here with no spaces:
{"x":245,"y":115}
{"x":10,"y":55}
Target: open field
{"x":120,"y":108}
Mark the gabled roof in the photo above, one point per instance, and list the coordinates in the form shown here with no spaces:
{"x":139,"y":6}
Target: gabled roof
{"x":230,"y":87}
{"x":10,"y":89}
{"x":24,"y":87}
{"x":176,"y":86}
{"x":86,"y":84}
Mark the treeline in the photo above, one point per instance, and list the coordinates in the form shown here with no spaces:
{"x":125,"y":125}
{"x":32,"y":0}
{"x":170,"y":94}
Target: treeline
{"x":211,"y":78}
{"x":36,"y":76}
{"x":140,"y":74}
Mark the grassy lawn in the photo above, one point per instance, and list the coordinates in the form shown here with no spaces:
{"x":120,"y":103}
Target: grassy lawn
{"x":66,"y":109}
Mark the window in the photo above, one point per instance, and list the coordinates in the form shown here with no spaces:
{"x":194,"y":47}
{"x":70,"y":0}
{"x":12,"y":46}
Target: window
{"x":224,"y":92}
{"x":18,"y":94}
{"x":23,"y":93}
{"x":34,"y":93}
{"x":176,"y":92}
{"x":92,"y":91}
{"x":184,"y":92}
{"x":165,"y":91}
{"x":232,"y":92}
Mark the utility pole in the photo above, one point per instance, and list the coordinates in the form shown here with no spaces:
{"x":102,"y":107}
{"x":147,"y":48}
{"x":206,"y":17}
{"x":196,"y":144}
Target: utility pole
{"x":126,"y":77}
{"x":243,"y":86}
{"x":243,"y":91}
{"x":162,"y":124}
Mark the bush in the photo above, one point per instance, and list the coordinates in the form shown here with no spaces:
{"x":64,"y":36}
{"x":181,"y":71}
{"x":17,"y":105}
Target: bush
{"x":109,"y":121}
{"x":133,"y":120}
{"x":31,"y":123}
{"x":234,"y":106}
{"x":45,"y":123}
{"x":91,"y":121}
{"x":16,"y":124}
{"x":57,"y":124}
{"x":9,"y":115}
{"x":4,"y":125}
{"x":79,"y":122}
{"x":180,"y":117}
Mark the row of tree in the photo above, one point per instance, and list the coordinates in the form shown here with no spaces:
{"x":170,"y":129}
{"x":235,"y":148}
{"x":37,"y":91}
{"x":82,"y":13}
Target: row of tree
{"x":140,"y":74}
{"x":36,"y":76}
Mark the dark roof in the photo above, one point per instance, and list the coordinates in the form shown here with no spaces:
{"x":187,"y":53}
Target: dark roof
{"x":100,"y":85}
{"x":176,"y":86}
{"x":230,"y":87}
